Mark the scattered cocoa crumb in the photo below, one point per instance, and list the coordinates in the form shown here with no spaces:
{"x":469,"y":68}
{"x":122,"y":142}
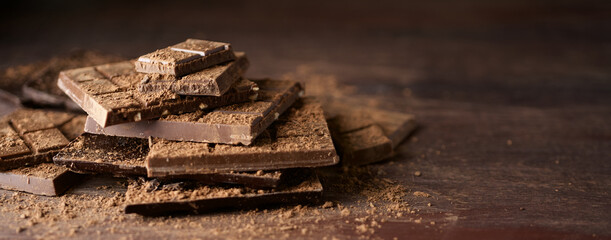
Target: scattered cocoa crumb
{"x":417,"y":173}
{"x":345,"y":212}
{"x":421,"y":194}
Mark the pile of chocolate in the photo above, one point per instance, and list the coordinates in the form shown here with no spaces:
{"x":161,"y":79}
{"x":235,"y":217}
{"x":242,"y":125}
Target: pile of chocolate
{"x":192,"y":133}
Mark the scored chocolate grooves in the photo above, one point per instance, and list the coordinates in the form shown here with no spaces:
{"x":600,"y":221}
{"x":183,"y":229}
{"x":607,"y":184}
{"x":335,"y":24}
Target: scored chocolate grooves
{"x":240,"y":92}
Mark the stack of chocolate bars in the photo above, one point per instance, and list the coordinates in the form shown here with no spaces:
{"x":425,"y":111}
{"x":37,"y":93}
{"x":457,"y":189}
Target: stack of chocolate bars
{"x":196,"y":134}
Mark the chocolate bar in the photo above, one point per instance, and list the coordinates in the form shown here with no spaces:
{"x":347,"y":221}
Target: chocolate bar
{"x":233,"y":124}
{"x":299,"y":138}
{"x":107,"y":93}
{"x":8,"y":103}
{"x":30,"y":136}
{"x":149,"y":199}
{"x":122,"y":156}
{"x":42,"y":179}
{"x":362,"y":136}
{"x":41,"y":88}
{"x":187,"y":57}
{"x":212,"y":81}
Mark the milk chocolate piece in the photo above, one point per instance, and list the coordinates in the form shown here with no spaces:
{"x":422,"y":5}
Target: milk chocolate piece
{"x":122,"y":156}
{"x":187,"y":57}
{"x":29,"y":137}
{"x":233,"y":124}
{"x":212,"y":81}
{"x":8,"y":103}
{"x":363,"y":135}
{"x":108,"y":94}
{"x":299,"y":138}
{"x":147,"y":199}
{"x":42,"y":179}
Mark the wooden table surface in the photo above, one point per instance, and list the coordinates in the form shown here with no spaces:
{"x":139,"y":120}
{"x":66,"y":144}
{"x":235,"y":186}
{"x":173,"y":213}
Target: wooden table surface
{"x":513,"y":99}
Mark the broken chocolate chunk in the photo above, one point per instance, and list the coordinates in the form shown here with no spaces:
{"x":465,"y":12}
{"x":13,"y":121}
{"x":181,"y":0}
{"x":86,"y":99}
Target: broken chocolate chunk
{"x":41,"y":179}
{"x":233,"y":124}
{"x":184,"y":58}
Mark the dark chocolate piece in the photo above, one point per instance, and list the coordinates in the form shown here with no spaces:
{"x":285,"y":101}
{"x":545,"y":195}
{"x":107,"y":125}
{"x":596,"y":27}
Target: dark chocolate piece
{"x":362,"y":135}
{"x":122,"y":156}
{"x":212,"y":81}
{"x":363,"y":146}
{"x":8,"y":103}
{"x":147,"y":199}
{"x":29,"y":137}
{"x":118,"y":156}
{"x":396,"y":126}
{"x":233,"y":124}
{"x":299,"y":138}
{"x":107,"y":93}
{"x":187,"y":57}
{"x":42,"y":179}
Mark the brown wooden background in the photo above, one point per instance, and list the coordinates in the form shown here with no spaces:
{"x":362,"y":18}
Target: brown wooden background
{"x":513,"y":97}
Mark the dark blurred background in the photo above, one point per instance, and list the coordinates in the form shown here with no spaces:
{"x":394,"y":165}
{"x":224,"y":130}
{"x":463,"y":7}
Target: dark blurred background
{"x":431,"y":46}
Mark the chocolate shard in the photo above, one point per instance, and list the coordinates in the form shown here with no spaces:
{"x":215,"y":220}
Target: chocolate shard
{"x":108,"y":94}
{"x":8,"y":103}
{"x":233,"y":124}
{"x":122,"y":156}
{"x":41,"y":179}
{"x":29,"y":137}
{"x":300,"y":138}
{"x":184,"y":58}
{"x":367,"y":135}
{"x":212,"y":81}
{"x":190,"y":197}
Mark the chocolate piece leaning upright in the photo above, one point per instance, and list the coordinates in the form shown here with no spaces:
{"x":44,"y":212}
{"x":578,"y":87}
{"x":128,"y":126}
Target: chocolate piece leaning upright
{"x":367,"y":135}
{"x":396,"y":126}
{"x":212,"y":81}
{"x":358,"y":139}
{"x":42,"y":179}
{"x":147,"y":198}
{"x":29,"y":137}
{"x":122,"y":156}
{"x":300,"y":138}
{"x":233,"y":124}
{"x":108,"y":94}
{"x":184,"y":58}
